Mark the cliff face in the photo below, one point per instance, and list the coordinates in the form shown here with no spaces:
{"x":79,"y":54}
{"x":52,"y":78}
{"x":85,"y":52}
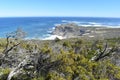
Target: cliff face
{"x":69,"y":30}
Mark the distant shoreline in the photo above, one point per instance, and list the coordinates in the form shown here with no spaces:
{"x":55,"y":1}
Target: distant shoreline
{"x":72,"y":30}
{"x":42,"y":27}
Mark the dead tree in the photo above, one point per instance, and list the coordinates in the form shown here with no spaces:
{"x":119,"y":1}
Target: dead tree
{"x":104,"y":53}
{"x":44,"y":64}
{"x":13,"y":39}
{"x":8,"y":48}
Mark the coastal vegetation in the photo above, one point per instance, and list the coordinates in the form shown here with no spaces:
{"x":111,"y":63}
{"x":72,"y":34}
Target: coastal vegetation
{"x":67,"y":59}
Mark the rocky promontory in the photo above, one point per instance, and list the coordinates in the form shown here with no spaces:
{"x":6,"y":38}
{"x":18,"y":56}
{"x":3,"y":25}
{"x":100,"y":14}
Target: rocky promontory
{"x":70,"y":30}
{"x":73,"y":30}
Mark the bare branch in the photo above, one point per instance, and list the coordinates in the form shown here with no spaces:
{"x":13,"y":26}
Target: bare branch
{"x":104,"y":53}
{"x":7,"y":44}
{"x":8,"y":50}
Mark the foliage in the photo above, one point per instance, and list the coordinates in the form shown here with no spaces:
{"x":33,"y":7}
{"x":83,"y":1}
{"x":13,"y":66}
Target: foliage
{"x":4,"y":73}
{"x":72,"y":62}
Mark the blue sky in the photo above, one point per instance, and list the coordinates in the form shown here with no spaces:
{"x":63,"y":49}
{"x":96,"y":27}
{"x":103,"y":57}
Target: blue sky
{"x":81,"y":8}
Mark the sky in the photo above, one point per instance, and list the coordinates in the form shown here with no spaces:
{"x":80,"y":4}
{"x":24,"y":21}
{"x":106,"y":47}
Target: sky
{"x":60,"y":8}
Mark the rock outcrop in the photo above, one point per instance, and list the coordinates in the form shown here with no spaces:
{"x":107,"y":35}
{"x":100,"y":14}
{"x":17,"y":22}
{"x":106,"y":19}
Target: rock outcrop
{"x":69,"y":30}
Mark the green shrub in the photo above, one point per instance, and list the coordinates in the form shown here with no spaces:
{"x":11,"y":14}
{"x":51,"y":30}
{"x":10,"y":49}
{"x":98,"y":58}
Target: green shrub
{"x":4,"y":73}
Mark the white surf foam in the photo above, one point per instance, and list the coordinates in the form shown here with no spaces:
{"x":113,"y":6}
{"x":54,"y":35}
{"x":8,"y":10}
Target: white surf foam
{"x":50,"y":31}
{"x":98,"y":25}
{"x":85,"y":25}
{"x":64,"y":21}
{"x":94,"y":23}
{"x":52,"y":37}
{"x":67,"y":21}
{"x":57,"y":24}
{"x":53,"y":28}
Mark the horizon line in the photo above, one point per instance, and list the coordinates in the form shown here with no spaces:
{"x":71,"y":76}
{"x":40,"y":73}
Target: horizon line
{"x":56,"y":16}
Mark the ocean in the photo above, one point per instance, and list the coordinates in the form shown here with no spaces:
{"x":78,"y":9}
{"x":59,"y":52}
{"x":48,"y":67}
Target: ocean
{"x":41,"y":27}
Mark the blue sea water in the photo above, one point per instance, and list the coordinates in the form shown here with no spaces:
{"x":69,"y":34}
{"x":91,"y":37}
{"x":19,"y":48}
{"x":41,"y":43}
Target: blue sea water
{"x":41,"y":27}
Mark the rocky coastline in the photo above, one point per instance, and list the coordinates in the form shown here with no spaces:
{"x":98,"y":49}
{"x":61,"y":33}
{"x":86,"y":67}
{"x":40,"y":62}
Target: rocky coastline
{"x":72,"y":30}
